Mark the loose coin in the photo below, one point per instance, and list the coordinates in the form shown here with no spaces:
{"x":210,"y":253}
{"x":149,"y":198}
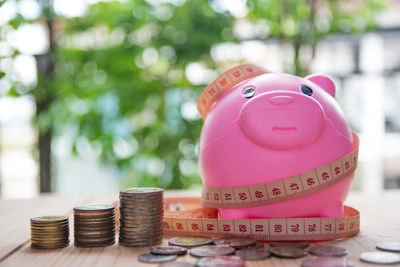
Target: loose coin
{"x":211,"y":250}
{"x":156,"y":258}
{"x":393,"y":246}
{"x":331,"y":251}
{"x":288,"y":252}
{"x":380,"y":257}
{"x":190,"y":241}
{"x":220,"y":261}
{"x":258,"y":244}
{"x":326,"y":262}
{"x":296,"y":244}
{"x":253,"y":254}
{"x":235,"y":242}
{"x":168,"y":250}
{"x":176,"y":264}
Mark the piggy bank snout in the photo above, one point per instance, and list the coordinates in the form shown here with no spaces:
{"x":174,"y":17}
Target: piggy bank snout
{"x":282,"y":120}
{"x":281,"y":100}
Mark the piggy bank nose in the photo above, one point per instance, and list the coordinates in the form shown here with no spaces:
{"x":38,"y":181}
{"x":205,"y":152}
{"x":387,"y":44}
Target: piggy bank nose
{"x":282,"y":120}
{"x":281,"y":100}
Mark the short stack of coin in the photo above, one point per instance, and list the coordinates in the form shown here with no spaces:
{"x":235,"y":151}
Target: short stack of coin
{"x":141,"y":215}
{"x":49,"y":232}
{"x":94,"y":225}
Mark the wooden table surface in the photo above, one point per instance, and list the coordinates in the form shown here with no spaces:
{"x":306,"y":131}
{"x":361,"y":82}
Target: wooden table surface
{"x":380,"y":221}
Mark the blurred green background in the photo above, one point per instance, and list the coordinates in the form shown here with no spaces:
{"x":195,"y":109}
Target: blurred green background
{"x":119,"y":79}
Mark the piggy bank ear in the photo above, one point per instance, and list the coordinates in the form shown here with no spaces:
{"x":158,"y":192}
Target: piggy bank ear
{"x":324,"y":81}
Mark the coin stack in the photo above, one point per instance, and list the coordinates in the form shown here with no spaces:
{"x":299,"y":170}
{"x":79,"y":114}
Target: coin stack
{"x":94,"y":225}
{"x":141,"y":215}
{"x":49,"y":232}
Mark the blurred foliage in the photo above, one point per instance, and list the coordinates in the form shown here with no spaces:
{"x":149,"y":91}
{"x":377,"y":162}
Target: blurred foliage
{"x":119,"y":88}
{"x":123,"y":89}
{"x":306,"y":22}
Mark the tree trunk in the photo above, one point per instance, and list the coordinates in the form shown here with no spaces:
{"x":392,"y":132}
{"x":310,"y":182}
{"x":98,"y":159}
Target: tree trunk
{"x":1,"y":150}
{"x":43,"y":98}
{"x":44,"y":147}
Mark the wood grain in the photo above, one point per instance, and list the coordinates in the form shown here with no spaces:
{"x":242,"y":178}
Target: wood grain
{"x":380,"y":221}
{"x":16,"y":214}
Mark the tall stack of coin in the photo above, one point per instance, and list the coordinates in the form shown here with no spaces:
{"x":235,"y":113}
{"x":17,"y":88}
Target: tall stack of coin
{"x":94,"y":225}
{"x":141,"y":215}
{"x":49,"y":232}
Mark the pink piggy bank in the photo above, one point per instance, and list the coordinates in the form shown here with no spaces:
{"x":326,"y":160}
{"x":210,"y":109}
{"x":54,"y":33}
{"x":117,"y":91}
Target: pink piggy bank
{"x":272,"y":126}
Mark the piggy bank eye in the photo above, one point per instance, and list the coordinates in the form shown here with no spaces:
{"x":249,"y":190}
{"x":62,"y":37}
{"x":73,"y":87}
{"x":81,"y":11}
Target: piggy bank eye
{"x":306,"y":90}
{"x":249,"y":92}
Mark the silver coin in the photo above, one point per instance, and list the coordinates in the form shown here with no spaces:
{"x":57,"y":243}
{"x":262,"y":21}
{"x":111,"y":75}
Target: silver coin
{"x":94,"y":241}
{"x":95,"y":207}
{"x":133,"y":239}
{"x":296,"y":244}
{"x":258,"y":244}
{"x":156,"y":258}
{"x":140,"y":237}
{"x":141,"y":190}
{"x":141,"y":230}
{"x":235,"y":242}
{"x":331,"y":251}
{"x":93,"y":223}
{"x":93,"y":245}
{"x":253,"y":254}
{"x":176,"y":264}
{"x":132,"y":197}
{"x":211,"y":250}
{"x":140,"y":240}
{"x":190,"y":241}
{"x":326,"y":262}
{"x":94,"y":233}
{"x":168,"y":250}
{"x":141,"y":245}
{"x":393,"y":246}
{"x":220,"y":261}
{"x":141,"y":216}
{"x":380,"y":257}
{"x":288,"y":252}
